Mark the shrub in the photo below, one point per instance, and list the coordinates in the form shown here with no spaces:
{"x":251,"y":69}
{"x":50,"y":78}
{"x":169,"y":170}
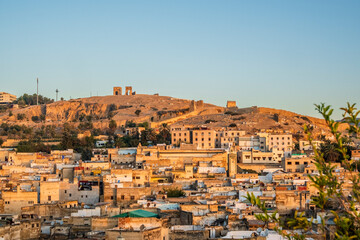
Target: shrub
{"x":35,"y":118}
{"x":210,"y":121}
{"x":137,"y":112}
{"x":174,"y":192}
{"x":21,"y":116}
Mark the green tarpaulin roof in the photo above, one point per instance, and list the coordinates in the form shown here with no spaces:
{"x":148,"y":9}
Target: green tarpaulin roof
{"x":137,"y":214}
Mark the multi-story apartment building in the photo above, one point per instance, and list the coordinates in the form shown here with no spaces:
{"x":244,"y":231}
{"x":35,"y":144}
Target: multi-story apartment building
{"x":297,"y":163}
{"x":283,"y":142}
{"x":204,"y":138}
{"x":180,"y":135}
{"x":6,"y":98}
{"x":258,"y":157}
{"x":228,"y":138}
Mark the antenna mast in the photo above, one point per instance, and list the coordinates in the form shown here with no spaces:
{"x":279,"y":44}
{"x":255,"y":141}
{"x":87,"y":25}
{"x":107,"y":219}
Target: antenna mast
{"x":37,"y":91}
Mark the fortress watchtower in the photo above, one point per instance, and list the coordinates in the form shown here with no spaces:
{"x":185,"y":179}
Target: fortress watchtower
{"x":117,"y":91}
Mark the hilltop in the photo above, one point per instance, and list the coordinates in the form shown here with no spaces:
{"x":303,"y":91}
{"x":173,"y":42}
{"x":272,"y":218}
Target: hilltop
{"x":137,"y":108}
{"x":162,"y":109}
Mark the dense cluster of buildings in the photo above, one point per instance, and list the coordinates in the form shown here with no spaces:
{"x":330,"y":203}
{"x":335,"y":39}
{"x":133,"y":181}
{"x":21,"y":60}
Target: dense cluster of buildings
{"x":193,"y":189}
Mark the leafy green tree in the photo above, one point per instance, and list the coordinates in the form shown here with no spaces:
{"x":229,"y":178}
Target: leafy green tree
{"x":174,"y":192}
{"x":27,"y":99}
{"x":112,"y":125}
{"x":332,"y":201}
{"x":130,"y":124}
{"x":144,"y":125}
{"x":148,"y":137}
{"x":69,"y":138}
{"x":120,"y":143}
{"x":164,"y":135}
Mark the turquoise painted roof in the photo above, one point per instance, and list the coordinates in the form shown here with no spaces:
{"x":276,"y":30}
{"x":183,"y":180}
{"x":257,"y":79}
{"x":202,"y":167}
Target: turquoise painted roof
{"x":137,"y":214}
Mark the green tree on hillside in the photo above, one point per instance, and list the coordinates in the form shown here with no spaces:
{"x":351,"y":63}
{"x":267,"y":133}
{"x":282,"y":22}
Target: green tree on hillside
{"x":28,"y":99}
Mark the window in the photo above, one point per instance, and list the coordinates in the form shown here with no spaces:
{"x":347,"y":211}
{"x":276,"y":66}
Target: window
{"x":132,"y":197}
{"x":289,"y":163}
{"x":65,"y":191}
{"x":30,"y":202}
{"x":69,"y":194}
{"x":112,"y":197}
{"x":297,"y":163}
{"x":49,"y":198}
{"x":122,"y":197}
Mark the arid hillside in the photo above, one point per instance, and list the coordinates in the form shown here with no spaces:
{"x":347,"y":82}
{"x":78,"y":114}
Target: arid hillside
{"x":161,"y":109}
{"x":137,"y":108}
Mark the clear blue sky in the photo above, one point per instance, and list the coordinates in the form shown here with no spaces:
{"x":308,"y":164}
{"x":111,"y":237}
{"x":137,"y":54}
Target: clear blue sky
{"x":280,"y":54}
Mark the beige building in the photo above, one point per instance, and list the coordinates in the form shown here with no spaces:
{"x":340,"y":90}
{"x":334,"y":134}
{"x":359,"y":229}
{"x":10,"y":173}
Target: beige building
{"x":204,"y":138}
{"x":61,"y":191}
{"x":306,"y":146}
{"x":258,"y":157}
{"x":6,"y":98}
{"x":283,"y":142}
{"x":355,"y":155}
{"x":15,"y":200}
{"x":180,"y":135}
{"x":297,"y":164}
{"x":228,"y":138}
